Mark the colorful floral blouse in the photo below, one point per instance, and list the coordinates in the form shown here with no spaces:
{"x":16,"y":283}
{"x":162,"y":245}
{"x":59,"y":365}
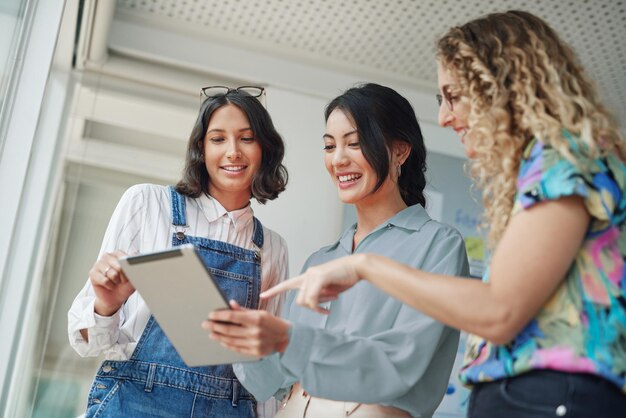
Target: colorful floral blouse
{"x":582,"y":328}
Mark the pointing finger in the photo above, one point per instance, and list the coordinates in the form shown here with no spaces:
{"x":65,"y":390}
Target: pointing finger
{"x":290,"y":284}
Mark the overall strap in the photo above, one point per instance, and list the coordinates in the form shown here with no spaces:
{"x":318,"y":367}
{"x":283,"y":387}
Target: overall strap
{"x":179,"y":214}
{"x":257,"y":236}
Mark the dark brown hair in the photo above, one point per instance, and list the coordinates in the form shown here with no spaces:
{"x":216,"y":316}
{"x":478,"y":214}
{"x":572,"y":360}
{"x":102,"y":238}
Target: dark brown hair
{"x":272,"y":176}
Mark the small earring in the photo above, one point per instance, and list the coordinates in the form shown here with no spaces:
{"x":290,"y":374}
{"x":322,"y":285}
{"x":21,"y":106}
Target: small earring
{"x":399,"y":170}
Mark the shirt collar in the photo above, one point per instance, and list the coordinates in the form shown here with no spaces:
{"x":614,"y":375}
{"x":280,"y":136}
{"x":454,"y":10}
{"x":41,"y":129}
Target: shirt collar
{"x":411,"y":218}
{"x":213,"y":210}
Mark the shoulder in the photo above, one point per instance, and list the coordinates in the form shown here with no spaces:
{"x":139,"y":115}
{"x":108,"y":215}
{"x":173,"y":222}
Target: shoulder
{"x":146,"y":192}
{"x":432,"y":242}
{"x":541,"y":160}
{"x":547,"y":174}
{"x":441,"y":231}
{"x":324,"y":254}
{"x":144,"y":198}
{"x":273,"y":239}
{"x":416,"y":220}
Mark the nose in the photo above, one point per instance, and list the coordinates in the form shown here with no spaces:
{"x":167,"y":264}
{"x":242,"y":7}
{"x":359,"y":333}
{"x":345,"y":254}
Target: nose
{"x":445,"y":116}
{"x":340,"y":158}
{"x":234,"y":153}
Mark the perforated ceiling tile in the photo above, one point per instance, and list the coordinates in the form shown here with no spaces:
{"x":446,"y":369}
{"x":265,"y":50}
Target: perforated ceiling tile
{"x":397,"y":37}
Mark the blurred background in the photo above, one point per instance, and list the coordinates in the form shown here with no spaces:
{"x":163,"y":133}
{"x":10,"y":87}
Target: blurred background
{"x":97,"y":95}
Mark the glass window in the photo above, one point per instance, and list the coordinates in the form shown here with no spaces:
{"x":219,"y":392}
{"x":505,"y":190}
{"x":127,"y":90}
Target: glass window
{"x":12,"y":25}
{"x":28,"y":32}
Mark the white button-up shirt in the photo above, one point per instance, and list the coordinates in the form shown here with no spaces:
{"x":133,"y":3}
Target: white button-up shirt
{"x":142,"y":223}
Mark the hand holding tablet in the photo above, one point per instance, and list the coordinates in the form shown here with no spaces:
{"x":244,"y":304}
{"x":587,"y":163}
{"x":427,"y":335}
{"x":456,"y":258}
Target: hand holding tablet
{"x":180,"y":292}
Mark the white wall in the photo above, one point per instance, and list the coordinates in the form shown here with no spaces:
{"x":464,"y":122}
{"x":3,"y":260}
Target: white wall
{"x":308,"y":214}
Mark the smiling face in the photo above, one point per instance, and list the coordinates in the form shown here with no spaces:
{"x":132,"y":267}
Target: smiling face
{"x":454,"y":109}
{"x":232,"y":156}
{"x":352,"y":174}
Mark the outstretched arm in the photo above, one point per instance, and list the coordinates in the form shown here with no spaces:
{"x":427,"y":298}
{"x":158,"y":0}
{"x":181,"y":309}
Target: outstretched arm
{"x":532,"y":258}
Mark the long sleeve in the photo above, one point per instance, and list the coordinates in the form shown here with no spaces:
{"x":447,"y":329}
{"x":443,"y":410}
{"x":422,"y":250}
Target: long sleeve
{"x":123,"y":232}
{"x":267,"y":377}
{"x":275,"y":271}
{"x":370,"y":348}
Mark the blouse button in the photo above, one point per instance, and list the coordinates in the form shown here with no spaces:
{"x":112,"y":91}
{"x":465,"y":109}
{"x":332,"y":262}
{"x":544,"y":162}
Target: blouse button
{"x":534,"y":193}
{"x":561,"y":411}
{"x":180,"y":235}
{"x":257,"y":255}
{"x":107,"y":368}
{"x":96,"y":401}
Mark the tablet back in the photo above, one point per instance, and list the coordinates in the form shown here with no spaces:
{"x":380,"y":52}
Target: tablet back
{"x":180,"y":292}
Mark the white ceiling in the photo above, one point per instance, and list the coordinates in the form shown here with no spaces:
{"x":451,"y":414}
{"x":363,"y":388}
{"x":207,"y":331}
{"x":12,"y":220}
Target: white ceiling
{"x":387,"y":39}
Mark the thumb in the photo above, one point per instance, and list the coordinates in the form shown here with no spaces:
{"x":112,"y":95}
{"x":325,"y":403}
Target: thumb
{"x":234,"y":305}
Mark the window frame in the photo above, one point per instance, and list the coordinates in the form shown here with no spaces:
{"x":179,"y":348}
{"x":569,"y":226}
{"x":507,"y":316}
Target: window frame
{"x":28,"y":161}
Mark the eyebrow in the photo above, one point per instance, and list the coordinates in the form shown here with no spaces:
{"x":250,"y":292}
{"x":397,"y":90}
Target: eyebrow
{"x":344,"y":135}
{"x":223,"y":130}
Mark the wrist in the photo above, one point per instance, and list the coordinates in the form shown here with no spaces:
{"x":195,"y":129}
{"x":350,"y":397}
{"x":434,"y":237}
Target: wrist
{"x":361,"y":262}
{"x":281,"y":345}
{"x":105,"y":310}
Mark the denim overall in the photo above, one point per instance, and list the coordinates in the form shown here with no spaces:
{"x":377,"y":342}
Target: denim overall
{"x":155,"y":382}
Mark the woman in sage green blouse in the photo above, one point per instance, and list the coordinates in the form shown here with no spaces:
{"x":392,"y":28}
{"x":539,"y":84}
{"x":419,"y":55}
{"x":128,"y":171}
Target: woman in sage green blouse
{"x":371,"y":355}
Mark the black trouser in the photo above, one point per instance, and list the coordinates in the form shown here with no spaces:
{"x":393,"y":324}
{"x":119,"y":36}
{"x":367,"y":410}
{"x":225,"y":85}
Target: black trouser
{"x":547,"y":393}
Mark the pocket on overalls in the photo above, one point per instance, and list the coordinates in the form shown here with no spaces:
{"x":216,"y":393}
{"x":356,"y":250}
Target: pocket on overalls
{"x":235,"y":286}
{"x":101,"y":392}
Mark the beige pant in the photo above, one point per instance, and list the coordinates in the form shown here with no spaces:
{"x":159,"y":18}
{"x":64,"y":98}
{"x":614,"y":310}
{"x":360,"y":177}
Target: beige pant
{"x":301,"y":405}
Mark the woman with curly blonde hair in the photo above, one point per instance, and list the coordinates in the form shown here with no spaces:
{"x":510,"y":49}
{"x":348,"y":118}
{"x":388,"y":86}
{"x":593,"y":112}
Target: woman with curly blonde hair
{"x":548,"y":321}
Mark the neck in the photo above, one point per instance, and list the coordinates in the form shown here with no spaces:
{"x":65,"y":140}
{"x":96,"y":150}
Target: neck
{"x":231,"y":201}
{"x":376,"y":209}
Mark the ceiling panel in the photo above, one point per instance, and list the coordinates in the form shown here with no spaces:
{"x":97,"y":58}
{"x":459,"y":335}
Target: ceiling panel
{"x":396,"y":38}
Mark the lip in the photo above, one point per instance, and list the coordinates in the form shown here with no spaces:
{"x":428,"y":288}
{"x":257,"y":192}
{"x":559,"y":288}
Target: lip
{"x":234,"y":170}
{"x":461,"y":132}
{"x":350,"y":179}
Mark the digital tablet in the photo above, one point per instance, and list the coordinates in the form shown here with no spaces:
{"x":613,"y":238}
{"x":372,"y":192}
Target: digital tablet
{"x":180,"y":292}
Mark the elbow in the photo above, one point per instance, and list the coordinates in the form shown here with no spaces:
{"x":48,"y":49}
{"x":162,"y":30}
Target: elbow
{"x":500,"y":336}
{"x":502,"y":327}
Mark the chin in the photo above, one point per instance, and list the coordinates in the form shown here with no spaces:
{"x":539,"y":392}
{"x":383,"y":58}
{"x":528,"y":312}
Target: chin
{"x":469,"y":151}
{"x":349,"y":200}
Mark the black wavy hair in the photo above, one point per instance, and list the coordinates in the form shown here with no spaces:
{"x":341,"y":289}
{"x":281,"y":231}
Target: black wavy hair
{"x":382,"y":116}
{"x":269,"y":181}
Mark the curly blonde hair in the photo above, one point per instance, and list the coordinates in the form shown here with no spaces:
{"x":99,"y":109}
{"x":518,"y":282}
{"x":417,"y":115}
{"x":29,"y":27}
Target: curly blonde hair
{"x":522,"y":82}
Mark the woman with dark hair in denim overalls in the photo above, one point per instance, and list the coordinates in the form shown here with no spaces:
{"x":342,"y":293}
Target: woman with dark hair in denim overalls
{"x":234,"y":153}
